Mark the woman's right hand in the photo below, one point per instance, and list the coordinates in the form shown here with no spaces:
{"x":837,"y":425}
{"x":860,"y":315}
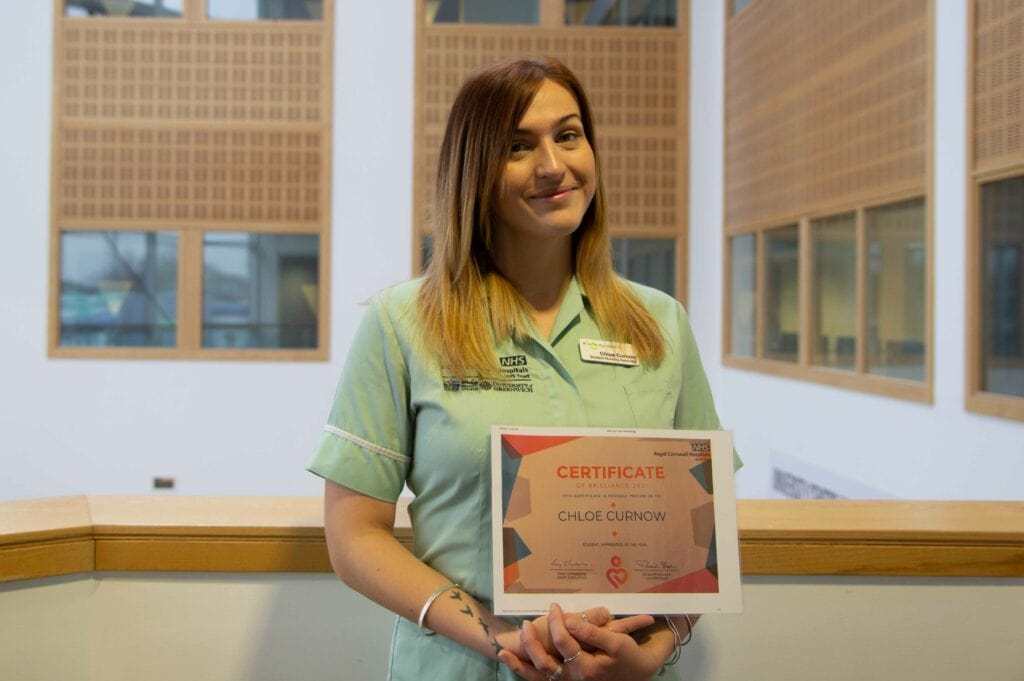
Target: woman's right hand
{"x":535,"y":642}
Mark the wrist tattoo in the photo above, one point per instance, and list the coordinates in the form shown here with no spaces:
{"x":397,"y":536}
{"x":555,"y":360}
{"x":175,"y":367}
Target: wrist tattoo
{"x":468,"y":611}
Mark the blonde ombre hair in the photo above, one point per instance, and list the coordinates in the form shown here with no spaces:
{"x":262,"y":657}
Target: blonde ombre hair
{"x":465,"y":304}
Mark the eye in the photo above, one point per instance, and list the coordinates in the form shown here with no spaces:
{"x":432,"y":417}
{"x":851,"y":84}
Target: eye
{"x":519,"y":148}
{"x":570,"y":136}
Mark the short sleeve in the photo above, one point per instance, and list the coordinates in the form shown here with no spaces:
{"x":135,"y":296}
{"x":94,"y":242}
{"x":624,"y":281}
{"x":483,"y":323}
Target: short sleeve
{"x":366,"y":443}
{"x":696,"y":408}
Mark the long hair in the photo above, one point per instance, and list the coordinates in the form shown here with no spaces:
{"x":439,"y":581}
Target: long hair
{"x":465,"y":305}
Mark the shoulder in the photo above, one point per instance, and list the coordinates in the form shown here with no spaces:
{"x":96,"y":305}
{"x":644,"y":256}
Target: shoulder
{"x":397,"y":303}
{"x":663,"y":307}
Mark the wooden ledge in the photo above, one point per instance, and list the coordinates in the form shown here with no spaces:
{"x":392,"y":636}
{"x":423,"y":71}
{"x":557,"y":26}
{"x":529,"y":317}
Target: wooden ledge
{"x":71,"y":535}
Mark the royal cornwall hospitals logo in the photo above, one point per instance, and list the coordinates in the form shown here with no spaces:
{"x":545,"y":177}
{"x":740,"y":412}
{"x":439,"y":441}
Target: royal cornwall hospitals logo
{"x":516,"y":378}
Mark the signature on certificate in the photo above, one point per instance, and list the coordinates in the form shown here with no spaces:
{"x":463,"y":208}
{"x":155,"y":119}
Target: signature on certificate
{"x":644,"y":564}
{"x":569,"y":564}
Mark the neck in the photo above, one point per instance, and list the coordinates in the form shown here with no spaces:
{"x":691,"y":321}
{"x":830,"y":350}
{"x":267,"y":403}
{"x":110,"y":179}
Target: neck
{"x":539,"y":270}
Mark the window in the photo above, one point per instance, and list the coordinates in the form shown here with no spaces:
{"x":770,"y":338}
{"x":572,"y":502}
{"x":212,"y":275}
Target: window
{"x":834,"y":291}
{"x":119,"y":289}
{"x":620,"y":13}
{"x":482,"y":12}
{"x":743,"y":295}
{"x":123,"y":8}
{"x":782,"y":293}
{"x":247,"y":10}
{"x":895,"y":291}
{"x":191,"y":179}
{"x":1002,"y":288}
{"x":864,"y":331}
{"x":651,"y":262}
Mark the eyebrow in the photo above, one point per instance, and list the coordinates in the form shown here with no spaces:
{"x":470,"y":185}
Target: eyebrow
{"x":561,"y":121}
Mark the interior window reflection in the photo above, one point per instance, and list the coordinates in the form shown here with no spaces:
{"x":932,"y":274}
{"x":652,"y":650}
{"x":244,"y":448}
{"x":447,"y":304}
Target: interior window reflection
{"x":260,"y":290}
{"x":118,"y":289}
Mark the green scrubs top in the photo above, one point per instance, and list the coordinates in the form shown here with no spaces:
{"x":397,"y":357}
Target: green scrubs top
{"x":398,"y":420}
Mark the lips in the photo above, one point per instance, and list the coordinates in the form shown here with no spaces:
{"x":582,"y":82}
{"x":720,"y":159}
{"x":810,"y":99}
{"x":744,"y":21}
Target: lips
{"x":552,"y":193}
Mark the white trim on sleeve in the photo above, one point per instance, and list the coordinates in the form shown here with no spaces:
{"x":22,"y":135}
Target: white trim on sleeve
{"x":367,"y":444}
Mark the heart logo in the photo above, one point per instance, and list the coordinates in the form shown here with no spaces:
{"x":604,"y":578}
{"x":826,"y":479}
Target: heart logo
{"x":617,"y":576}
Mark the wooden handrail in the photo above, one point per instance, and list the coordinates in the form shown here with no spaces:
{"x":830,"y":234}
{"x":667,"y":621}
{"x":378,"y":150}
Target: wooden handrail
{"x":82,"y":534}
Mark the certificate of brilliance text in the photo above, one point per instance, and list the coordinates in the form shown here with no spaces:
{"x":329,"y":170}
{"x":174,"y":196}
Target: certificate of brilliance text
{"x":640,"y":521}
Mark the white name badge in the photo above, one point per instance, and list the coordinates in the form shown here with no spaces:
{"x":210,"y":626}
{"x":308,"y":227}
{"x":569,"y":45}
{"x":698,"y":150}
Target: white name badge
{"x":607,"y":352}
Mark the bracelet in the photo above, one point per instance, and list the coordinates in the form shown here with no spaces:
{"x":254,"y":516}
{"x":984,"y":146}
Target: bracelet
{"x":426,"y":606}
{"x":677,"y":650}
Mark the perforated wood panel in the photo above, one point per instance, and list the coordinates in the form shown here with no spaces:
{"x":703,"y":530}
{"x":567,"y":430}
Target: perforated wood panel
{"x":636,"y":78}
{"x":193,"y":123}
{"x":826,"y":105}
{"x":998,"y":83}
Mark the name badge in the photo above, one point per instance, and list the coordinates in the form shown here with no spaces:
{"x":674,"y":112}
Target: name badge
{"x":607,"y":352}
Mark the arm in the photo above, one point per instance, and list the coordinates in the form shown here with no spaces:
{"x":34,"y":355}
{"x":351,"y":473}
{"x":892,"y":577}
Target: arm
{"x":367,"y":557}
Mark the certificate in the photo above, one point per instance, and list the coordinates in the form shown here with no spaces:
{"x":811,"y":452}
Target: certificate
{"x":640,"y":521}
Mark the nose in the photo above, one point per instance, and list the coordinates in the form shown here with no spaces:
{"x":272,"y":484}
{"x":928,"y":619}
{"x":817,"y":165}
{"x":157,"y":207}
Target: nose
{"x":549,"y":160}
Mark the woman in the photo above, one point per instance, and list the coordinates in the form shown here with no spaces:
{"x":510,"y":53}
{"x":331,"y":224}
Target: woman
{"x":521,"y":274}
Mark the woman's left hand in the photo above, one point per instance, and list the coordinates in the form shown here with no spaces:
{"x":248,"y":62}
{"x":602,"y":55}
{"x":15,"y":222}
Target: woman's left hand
{"x":587,"y":652}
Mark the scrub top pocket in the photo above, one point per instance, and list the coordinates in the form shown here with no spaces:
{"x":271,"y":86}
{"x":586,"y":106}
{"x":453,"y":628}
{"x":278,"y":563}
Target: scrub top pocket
{"x":653,"y":406}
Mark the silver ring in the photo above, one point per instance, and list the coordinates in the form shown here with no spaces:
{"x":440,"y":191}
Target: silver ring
{"x":567,"y":660}
{"x":557,"y":674}
{"x":585,"y":617}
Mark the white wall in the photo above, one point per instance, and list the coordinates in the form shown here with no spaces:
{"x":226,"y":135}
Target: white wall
{"x":852,"y":442}
{"x":69,"y":427}
{"x":115,"y":627}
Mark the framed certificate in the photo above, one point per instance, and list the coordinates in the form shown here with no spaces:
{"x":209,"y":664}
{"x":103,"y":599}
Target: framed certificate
{"x":640,"y":521}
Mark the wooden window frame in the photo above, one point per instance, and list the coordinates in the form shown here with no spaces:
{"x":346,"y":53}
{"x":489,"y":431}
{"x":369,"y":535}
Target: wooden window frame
{"x":804,"y":369}
{"x":189,"y":321}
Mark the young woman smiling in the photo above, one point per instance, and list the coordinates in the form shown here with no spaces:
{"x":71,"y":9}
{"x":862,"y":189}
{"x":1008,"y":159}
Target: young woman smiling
{"x":520,"y":277}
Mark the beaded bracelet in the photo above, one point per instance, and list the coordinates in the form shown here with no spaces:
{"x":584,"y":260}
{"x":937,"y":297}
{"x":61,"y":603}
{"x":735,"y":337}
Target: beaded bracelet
{"x":426,"y":606}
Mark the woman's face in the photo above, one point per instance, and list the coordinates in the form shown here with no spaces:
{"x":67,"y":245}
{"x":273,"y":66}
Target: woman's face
{"x":550,"y":175}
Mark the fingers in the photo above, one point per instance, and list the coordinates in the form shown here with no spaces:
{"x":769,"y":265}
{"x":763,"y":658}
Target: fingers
{"x":606,"y":639}
{"x":539,"y":658}
{"x":628,"y":625}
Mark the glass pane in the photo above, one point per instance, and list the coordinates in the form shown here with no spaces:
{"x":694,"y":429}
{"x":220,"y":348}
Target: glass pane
{"x":260,"y":290}
{"x":895,"y":290}
{"x":651,"y":262}
{"x":123,"y":8}
{"x":247,"y":10}
{"x":483,"y":12}
{"x":834,"y":291}
{"x":118,"y":289}
{"x":621,"y":12}
{"x":743,"y":294}
{"x":1002,"y":297}
{"x":782,"y":293}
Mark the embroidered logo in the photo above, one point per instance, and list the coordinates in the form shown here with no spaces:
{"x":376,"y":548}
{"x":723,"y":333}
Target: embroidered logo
{"x":516,"y":373}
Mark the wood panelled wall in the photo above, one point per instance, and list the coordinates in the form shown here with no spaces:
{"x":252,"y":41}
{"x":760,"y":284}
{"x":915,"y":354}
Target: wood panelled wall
{"x":998,"y":73}
{"x":826,"y":105}
{"x":637,"y":79}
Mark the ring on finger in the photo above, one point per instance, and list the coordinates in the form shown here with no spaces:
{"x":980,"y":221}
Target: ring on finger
{"x":584,"y":616}
{"x":557,"y":674}
{"x":567,"y":660}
